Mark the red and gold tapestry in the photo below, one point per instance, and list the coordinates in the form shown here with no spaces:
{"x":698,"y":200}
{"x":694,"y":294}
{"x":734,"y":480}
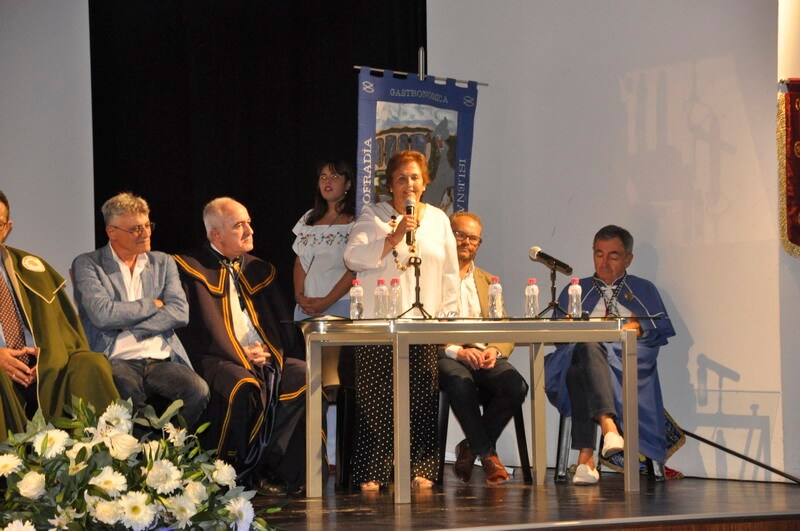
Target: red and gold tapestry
{"x":788,"y":139}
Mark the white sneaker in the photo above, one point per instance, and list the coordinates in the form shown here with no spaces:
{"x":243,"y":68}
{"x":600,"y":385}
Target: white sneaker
{"x":585,"y":476}
{"x":613,"y":443}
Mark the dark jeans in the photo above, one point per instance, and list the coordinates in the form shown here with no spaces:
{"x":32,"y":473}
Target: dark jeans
{"x":141,"y":380}
{"x":590,"y":392}
{"x":501,"y":389}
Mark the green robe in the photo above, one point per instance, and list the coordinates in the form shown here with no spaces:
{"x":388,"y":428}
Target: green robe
{"x":66,"y":366}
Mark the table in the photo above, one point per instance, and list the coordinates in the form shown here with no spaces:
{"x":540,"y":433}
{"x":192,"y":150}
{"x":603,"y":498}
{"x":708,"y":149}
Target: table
{"x":401,"y":333}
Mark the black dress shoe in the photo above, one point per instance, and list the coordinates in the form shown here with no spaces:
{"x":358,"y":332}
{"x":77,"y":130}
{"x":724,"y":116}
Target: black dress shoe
{"x":465,"y":460}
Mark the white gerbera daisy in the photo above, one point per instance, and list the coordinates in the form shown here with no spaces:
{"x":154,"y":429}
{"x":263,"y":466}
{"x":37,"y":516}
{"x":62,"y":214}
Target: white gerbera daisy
{"x":224,"y":474}
{"x":19,"y":525}
{"x":242,"y":512}
{"x":50,"y":443}
{"x":31,"y":485}
{"x":113,"y":483}
{"x":164,"y":477}
{"x":137,"y":514}
{"x":9,"y":463}
{"x":118,"y":416}
{"x":183,"y":508}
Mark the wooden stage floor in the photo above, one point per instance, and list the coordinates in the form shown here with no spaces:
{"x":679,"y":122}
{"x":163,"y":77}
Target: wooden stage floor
{"x":689,"y":503}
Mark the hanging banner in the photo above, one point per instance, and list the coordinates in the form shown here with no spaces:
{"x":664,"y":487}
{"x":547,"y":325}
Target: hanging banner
{"x":436,"y":119}
{"x":788,"y":139}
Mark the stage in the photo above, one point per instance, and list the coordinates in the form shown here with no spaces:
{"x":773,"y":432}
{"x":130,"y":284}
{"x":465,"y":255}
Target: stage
{"x":687,"y":503}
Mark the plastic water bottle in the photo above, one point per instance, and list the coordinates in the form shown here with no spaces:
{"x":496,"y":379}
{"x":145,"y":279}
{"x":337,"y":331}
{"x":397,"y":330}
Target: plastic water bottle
{"x":575,"y":296}
{"x":531,"y":298}
{"x":381,"y":307}
{"x":394,"y":298}
{"x":356,"y":300}
{"x":496,"y":298}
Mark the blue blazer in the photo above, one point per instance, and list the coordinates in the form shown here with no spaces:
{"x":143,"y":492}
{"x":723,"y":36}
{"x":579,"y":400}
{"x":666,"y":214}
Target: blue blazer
{"x":99,"y":291}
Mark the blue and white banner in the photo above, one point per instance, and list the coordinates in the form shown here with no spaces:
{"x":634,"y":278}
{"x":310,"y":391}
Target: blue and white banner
{"x":433,"y":118}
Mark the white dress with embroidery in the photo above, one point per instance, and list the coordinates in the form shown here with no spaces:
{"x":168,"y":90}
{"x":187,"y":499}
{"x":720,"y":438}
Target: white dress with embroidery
{"x":321,"y":249}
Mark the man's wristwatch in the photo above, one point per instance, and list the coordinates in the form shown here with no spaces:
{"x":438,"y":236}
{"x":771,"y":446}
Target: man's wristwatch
{"x":499,"y":355}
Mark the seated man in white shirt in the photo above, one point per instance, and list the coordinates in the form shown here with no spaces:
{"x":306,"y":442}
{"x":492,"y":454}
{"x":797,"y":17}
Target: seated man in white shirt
{"x":131,"y":301}
{"x":469,"y":371}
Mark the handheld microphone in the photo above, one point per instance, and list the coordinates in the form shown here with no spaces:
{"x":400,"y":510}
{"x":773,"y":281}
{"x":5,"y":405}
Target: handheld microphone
{"x":410,"y":205}
{"x":537,"y":255}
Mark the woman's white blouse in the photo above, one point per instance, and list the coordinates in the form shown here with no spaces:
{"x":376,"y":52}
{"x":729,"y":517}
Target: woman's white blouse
{"x":436,"y":246}
{"x":320,"y":249}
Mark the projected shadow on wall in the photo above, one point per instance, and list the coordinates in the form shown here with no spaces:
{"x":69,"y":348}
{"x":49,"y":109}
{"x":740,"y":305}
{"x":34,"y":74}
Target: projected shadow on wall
{"x":727,"y":412}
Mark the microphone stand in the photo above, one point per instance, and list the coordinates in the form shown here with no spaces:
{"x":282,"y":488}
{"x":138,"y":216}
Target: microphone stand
{"x":416,"y":261}
{"x":553,"y":302}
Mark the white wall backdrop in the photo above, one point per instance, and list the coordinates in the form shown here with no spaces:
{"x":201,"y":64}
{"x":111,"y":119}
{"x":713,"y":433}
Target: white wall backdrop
{"x":660,"y":117}
{"x":46,"y":127}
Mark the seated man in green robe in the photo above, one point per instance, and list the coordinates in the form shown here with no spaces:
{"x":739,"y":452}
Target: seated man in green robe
{"x":44,"y":354}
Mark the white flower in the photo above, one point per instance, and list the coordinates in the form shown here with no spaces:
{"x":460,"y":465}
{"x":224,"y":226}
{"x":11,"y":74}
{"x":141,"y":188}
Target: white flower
{"x":242,"y":511}
{"x":177,"y":436}
{"x":224,"y":474}
{"x":164,"y":477}
{"x":123,"y":445}
{"x":31,"y":485}
{"x":64,"y":518}
{"x":9,"y":463}
{"x":54,"y":442}
{"x":108,"y":512}
{"x":118,"y":416}
{"x":151,"y":450}
{"x":73,"y":452}
{"x":182,"y":508}
{"x":137,"y":514}
{"x":113,"y":483}
{"x":196,"y":492}
{"x":19,"y":525}
{"x":74,"y":468}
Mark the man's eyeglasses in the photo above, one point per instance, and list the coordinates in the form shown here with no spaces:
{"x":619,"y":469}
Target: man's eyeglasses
{"x":329,"y":177}
{"x":460,"y":237}
{"x":3,"y":224}
{"x":138,"y":229}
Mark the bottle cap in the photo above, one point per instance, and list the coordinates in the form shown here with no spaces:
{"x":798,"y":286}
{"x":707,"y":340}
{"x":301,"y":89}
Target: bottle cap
{"x":495,"y":279}
{"x":575,"y":281}
{"x":531,"y":281}
{"x":356,"y":282}
{"x":395,"y":281}
{"x":381,"y":282}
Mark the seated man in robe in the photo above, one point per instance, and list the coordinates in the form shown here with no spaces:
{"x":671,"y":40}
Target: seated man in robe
{"x":584,"y":380}
{"x":44,"y":354}
{"x":238,"y":344}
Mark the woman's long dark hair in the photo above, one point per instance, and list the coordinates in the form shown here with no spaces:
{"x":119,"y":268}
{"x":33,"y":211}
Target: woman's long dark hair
{"x":347,"y":205}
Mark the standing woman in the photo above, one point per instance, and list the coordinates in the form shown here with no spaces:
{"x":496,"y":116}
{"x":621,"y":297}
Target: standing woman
{"x":377,"y":249}
{"x":321,"y":280}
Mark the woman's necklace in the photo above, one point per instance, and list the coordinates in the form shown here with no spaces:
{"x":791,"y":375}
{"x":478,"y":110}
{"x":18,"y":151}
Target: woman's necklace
{"x":412,"y":249}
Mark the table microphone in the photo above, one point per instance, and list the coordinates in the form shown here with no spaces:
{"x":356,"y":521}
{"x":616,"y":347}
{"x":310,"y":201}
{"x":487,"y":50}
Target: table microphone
{"x":537,"y":255}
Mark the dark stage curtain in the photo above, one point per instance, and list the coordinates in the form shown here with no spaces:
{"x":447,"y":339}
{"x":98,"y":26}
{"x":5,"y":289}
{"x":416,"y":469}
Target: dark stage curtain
{"x":196,"y":99}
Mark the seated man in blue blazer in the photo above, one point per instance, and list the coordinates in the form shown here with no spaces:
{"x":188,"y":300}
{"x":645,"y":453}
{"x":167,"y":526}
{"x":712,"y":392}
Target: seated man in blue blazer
{"x":130,"y":301}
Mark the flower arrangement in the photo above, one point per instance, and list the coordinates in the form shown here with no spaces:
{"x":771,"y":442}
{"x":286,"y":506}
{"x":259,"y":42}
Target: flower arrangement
{"x":90,"y":472}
